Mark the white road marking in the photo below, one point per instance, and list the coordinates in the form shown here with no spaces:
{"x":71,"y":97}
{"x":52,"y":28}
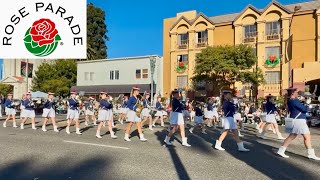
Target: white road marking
{"x":101,"y":145}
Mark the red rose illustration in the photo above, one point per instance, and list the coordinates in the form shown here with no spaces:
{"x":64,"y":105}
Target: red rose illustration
{"x":272,"y":58}
{"x":43,"y":31}
{"x":181,"y":64}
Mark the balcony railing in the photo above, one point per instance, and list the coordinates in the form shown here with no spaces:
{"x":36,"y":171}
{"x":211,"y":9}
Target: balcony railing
{"x":202,"y":42}
{"x":183,"y":44}
{"x":274,"y":34}
{"x":250,"y":37}
{"x":272,"y":88}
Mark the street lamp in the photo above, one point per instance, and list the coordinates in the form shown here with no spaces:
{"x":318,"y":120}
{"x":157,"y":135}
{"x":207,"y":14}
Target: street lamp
{"x":152,"y":68}
{"x":296,"y":8}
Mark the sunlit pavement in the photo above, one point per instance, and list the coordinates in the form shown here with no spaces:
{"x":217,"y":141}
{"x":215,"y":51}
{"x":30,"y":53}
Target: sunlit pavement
{"x":34,"y":154}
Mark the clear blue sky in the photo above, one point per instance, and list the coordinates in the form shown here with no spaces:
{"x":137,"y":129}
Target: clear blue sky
{"x":135,"y":27}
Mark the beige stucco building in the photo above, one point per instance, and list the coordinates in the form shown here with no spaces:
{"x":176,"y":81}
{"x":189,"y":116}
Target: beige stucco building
{"x":13,"y":75}
{"x":285,"y":61}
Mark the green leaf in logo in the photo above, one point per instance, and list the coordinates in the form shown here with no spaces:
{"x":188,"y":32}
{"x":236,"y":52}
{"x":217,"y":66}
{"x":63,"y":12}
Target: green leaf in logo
{"x":28,"y":38}
{"x":34,"y":44}
{"x":57,"y":38}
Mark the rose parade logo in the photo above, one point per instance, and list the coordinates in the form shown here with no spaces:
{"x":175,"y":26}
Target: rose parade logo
{"x":42,"y":38}
{"x":51,"y":29}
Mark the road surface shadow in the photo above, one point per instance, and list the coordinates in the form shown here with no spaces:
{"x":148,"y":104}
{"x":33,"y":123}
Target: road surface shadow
{"x":93,"y":168}
{"x":180,"y":169}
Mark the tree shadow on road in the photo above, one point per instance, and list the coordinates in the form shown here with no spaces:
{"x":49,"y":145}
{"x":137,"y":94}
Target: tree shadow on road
{"x":180,"y":169}
{"x":93,"y":168}
{"x":264,"y":159}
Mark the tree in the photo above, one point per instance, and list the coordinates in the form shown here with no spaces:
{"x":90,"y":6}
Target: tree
{"x":57,"y":76}
{"x":6,"y":89}
{"x":222,"y":66}
{"x":96,"y":33}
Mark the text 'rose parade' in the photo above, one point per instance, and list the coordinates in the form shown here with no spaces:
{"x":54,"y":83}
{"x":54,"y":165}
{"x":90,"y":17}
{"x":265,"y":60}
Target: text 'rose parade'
{"x":42,"y":38}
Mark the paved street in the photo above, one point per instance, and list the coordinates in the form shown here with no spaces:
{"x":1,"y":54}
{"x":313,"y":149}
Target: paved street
{"x":33,"y":154}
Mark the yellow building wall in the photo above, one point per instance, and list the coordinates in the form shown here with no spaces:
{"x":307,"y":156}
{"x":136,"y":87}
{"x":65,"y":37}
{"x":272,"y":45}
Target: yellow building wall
{"x":167,"y":24}
{"x":304,"y":39}
{"x":223,"y":35}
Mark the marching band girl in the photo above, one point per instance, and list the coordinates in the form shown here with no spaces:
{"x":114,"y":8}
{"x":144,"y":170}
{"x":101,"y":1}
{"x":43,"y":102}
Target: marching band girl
{"x":73,"y":113}
{"x":186,"y":113}
{"x":132,"y":116}
{"x":237,"y":117}
{"x":21,"y":105}
{"x":176,"y":119}
{"x":145,"y":114}
{"x":123,"y":110}
{"x":28,"y":111}
{"x":271,"y":111}
{"x":10,"y":111}
{"x":159,"y":114}
{"x":212,"y":113}
{"x":198,"y":120}
{"x":109,"y":98}
{"x":90,"y":112}
{"x":299,"y":126}
{"x":229,"y":125}
{"x":104,"y":115}
{"x":49,"y":112}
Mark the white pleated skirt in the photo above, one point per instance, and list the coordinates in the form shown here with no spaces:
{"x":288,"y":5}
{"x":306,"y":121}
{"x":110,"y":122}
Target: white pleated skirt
{"x":73,"y":114}
{"x":271,"y":118}
{"x":132,"y":116}
{"x":104,"y":115}
{"x":198,"y":119}
{"x":237,"y":117}
{"x":145,"y":113}
{"x":89,"y":113}
{"x":176,"y":118}
{"x":10,"y":111}
{"x":28,"y":114}
{"x":229,"y":123}
{"x":212,"y":115}
{"x":124,"y":110}
{"x":159,"y":114}
{"x":300,"y":127}
{"x":49,"y":113}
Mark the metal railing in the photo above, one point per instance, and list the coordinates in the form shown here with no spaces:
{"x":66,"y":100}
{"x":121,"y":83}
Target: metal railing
{"x":250,"y":37}
{"x":202,"y":42}
{"x":273,"y":34}
{"x":183,"y":44}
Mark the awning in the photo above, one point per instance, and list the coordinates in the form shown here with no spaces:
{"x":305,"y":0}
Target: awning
{"x":115,"y":89}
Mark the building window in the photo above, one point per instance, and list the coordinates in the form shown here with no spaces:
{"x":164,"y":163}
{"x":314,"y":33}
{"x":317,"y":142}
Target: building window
{"x":273,"y":28}
{"x":91,"y":76}
{"x":145,"y":74}
{"x":183,"y":41}
{"x":86,"y":76}
{"x":138,"y":74}
{"x":182,"y":58}
{"x":117,"y":75}
{"x":111,"y":75}
{"x":272,"y":77}
{"x":182,"y":81}
{"x":250,"y":32}
{"x":272,"y":52}
{"x":202,"y":38}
